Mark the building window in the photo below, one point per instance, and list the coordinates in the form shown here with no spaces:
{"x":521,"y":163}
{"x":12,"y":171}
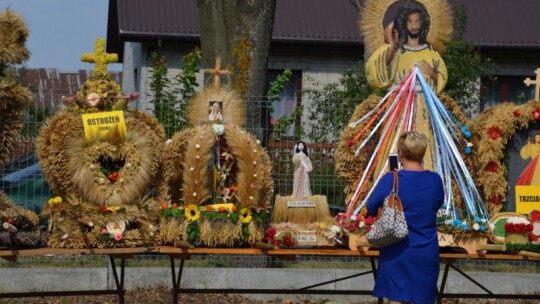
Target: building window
{"x":136,"y":79}
{"x":290,"y":100}
{"x":505,"y":88}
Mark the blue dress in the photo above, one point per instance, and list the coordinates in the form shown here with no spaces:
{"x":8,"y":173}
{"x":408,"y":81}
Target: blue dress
{"x":408,"y":270}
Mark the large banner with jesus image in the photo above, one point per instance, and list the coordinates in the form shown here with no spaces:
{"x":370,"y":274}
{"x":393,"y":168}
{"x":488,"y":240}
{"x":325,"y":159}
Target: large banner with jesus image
{"x":524,"y":171}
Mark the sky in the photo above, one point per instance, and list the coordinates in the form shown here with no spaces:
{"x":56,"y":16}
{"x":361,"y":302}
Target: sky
{"x":61,"y":31}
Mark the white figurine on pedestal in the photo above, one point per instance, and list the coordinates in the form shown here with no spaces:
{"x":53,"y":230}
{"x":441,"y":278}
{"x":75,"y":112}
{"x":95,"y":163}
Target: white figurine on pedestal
{"x":302,"y":166}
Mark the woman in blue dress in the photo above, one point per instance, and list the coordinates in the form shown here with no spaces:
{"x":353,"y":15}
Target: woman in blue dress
{"x":408,"y":270}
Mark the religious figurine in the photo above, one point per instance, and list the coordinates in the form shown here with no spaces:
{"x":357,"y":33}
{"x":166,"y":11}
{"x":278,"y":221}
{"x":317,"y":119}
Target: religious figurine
{"x":302,"y":166}
{"x":302,"y":212}
{"x":406,"y":46}
{"x":531,"y":173}
{"x":215,"y":115}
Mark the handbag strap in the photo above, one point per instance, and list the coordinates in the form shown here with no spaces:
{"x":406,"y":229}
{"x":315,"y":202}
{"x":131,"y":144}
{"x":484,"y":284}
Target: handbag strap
{"x":395,"y":201}
{"x":395,"y":187}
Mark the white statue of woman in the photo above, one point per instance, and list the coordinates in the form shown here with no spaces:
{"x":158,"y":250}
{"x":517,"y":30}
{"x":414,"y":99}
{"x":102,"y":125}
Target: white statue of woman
{"x":302,"y":166}
{"x":215,"y":114}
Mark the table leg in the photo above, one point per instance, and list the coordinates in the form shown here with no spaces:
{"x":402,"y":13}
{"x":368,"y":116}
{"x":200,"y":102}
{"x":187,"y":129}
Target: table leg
{"x":176,"y":280}
{"x":373,"y":267}
{"x":119,"y":282}
{"x":471,"y":279}
{"x":443,"y":283}
{"x":336,"y":280}
{"x":374,"y":270}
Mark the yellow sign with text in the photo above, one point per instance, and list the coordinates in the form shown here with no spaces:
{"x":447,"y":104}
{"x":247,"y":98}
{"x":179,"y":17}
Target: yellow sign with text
{"x":227,"y":206}
{"x":527,"y":198}
{"x":99,"y":124}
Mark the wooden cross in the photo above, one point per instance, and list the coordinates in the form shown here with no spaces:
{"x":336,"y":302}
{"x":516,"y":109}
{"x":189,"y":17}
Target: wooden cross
{"x":100,"y":58}
{"x":217,"y":71}
{"x":536,"y":83}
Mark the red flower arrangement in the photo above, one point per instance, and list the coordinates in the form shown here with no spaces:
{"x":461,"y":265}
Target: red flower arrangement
{"x":354,"y":224}
{"x":495,"y":199}
{"x":516,"y":113}
{"x":494,"y":132}
{"x":288,"y":240}
{"x":536,"y":114}
{"x":280,"y":239}
{"x":369,"y":221}
{"x":518,"y":224}
{"x":492,"y":166}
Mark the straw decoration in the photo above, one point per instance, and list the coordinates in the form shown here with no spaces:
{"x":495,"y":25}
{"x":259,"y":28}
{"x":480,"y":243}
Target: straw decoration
{"x":195,"y":167}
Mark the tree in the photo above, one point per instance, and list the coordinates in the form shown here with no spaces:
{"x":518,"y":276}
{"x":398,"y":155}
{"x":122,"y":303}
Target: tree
{"x":466,"y":66}
{"x":240,"y":32}
{"x":332,"y":105}
{"x":170,"y":96}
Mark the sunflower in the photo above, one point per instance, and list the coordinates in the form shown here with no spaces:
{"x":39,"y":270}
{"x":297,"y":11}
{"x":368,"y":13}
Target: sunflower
{"x":245,"y":215}
{"x":192,"y":212}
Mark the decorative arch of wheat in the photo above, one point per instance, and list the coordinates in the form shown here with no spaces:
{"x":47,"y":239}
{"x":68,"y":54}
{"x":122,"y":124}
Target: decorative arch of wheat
{"x":194,"y":146}
{"x":508,"y":118}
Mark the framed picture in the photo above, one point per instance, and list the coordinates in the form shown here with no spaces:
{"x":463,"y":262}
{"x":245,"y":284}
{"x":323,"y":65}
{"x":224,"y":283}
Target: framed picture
{"x":524,"y":171}
{"x":215,"y":113}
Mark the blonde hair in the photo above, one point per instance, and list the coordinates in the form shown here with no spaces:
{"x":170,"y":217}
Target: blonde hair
{"x":413,"y":145}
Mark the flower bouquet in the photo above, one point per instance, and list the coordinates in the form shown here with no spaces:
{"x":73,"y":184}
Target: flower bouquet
{"x":354,"y":224}
{"x":287,"y":235}
{"x":281,"y":239}
{"x":466,"y":233}
{"x":350,"y":229}
{"x":463,"y":228}
{"x":225,"y":224}
{"x":113,"y":233}
{"x":517,"y":230}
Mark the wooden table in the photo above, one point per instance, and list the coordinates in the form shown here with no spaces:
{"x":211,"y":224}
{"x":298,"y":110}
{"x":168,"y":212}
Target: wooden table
{"x":112,"y":253}
{"x":183,"y":254}
{"x":287,"y":254}
{"x":448,"y":259}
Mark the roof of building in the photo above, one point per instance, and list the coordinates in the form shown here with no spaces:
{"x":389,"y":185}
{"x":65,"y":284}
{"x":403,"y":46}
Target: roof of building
{"x":491,"y":23}
{"x":49,"y":85}
{"x":502,"y":23}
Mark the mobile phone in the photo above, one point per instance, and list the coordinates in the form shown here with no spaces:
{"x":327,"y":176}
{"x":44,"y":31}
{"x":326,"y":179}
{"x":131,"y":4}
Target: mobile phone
{"x":393,"y":161}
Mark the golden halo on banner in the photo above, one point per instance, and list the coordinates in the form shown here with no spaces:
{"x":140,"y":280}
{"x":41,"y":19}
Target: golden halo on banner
{"x":372,"y":15}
